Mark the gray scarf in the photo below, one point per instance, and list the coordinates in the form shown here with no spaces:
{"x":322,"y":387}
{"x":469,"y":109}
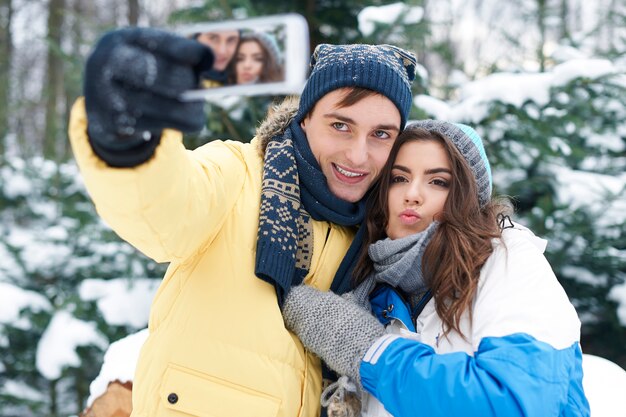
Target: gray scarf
{"x":397,"y":263}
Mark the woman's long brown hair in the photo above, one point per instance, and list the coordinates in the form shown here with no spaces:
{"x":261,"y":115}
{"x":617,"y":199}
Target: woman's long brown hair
{"x":272,"y":70}
{"x":461,"y":244}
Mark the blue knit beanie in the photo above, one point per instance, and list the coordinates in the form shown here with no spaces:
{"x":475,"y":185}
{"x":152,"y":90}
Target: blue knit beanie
{"x":470,"y":145}
{"x":386,"y":69}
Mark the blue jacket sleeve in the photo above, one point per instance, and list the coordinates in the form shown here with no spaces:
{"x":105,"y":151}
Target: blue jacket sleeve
{"x":511,"y":376}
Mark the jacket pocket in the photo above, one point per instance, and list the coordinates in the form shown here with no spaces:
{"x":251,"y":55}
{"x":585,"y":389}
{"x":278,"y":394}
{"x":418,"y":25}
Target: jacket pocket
{"x":191,"y":393}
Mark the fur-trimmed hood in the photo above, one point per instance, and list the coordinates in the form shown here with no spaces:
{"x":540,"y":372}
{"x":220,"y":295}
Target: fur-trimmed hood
{"x":278,"y":118}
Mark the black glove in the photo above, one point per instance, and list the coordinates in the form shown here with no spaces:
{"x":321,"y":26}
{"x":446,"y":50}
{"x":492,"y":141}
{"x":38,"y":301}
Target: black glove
{"x":133,"y":81}
{"x":335,"y":328}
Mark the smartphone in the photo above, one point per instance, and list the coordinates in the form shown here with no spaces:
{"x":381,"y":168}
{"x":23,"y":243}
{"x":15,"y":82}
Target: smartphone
{"x":266,"y":55}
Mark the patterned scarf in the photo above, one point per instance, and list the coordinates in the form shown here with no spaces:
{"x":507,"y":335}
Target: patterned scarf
{"x":294,"y":191}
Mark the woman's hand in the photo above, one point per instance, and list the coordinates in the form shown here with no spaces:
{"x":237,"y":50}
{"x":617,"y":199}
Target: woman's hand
{"x":337,"y":330}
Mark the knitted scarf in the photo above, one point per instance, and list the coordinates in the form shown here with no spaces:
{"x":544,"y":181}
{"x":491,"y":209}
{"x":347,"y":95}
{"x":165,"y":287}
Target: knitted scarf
{"x":294,"y":191}
{"x":397,"y":263}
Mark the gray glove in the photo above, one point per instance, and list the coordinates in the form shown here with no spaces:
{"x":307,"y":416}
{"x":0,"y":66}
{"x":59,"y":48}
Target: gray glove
{"x":338,"y":331}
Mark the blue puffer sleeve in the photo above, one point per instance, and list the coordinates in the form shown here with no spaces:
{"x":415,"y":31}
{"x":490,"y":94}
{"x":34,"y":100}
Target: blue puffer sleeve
{"x":514,"y":375}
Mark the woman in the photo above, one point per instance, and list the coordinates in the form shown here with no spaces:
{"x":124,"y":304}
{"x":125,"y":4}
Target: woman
{"x":468,"y":317}
{"x":257,"y":59}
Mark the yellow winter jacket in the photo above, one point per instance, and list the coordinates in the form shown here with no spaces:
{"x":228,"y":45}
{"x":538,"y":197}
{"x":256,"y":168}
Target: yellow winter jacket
{"x":217,"y":345}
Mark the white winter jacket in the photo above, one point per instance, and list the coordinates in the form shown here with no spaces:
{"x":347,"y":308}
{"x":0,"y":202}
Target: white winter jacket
{"x":521,"y":355}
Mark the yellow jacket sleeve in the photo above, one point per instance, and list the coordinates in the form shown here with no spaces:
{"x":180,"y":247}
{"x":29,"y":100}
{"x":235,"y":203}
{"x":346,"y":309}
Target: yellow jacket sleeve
{"x":170,"y":206}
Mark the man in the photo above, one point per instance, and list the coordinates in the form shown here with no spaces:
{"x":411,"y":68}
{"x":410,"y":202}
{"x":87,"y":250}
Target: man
{"x":223,"y":44}
{"x":239,"y":223}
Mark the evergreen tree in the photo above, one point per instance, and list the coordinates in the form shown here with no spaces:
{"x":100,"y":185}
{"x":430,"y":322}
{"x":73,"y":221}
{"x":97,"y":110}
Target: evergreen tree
{"x":51,"y":240}
{"x":561,"y":155}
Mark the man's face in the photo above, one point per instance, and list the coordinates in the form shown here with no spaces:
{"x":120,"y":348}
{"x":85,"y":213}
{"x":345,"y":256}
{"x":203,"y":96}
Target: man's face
{"x":223,"y":44}
{"x":351,"y":144}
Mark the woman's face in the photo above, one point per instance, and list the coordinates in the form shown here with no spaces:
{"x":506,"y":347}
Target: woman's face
{"x":248,"y":62}
{"x":420,"y":182}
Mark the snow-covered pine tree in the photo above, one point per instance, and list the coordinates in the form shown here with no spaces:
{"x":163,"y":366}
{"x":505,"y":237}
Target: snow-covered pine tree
{"x":52,"y":330}
{"x":557,"y":143}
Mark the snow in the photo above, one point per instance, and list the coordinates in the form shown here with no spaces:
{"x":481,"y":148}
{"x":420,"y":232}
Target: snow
{"x":121,"y":301}
{"x":57,"y":347}
{"x":604,"y":383}
{"x":581,"y":68}
{"x":596,"y":188}
{"x":388,"y":14}
{"x":562,"y":53}
{"x":47,"y":209}
{"x":421,"y":73}
{"x":14,"y":299}
{"x":38,"y":252}
{"x":610,"y":142}
{"x":21,"y":390}
{"x":18,"y":185}
{"x":58,"y":233}
{"x":618,"y":294}
{"x":45,"y":256}
{"x":512,"y":88}
{"x":436,"y":108}
{"x":583,"y":275}
{"x":119,"y":363}
{"x":558,"y":144}
{"x":578,"y":189}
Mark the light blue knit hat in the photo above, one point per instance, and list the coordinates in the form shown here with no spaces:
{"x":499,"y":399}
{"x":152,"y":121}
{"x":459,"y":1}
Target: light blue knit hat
{"x":471,"y":147}
{"x":386,"y":69}
{"x":269,"y":43}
